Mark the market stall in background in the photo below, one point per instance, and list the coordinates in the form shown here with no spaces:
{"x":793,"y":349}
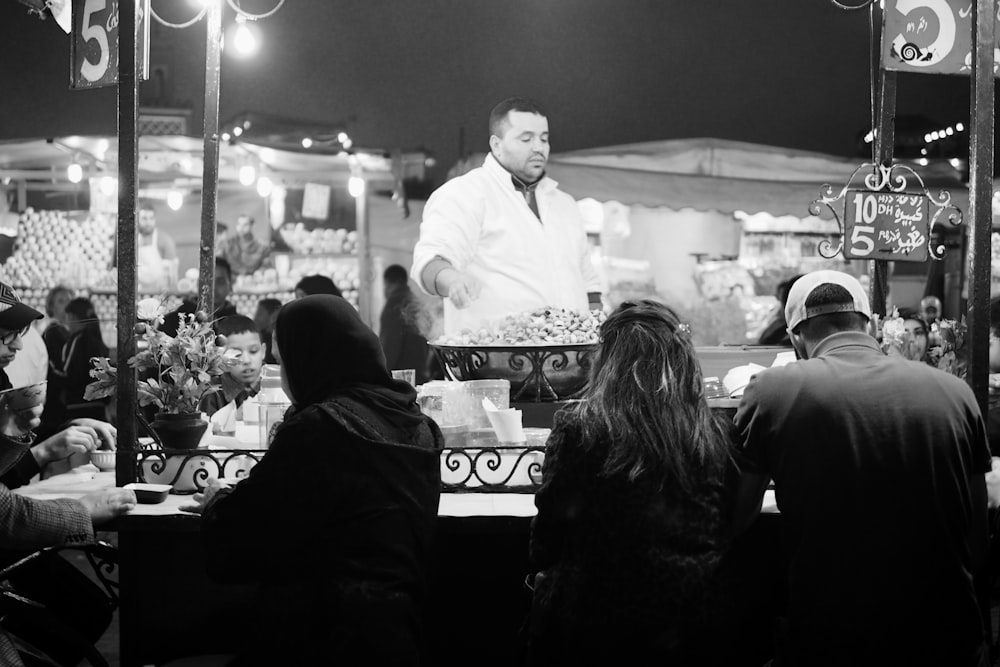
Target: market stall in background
{"x":65,"y":190}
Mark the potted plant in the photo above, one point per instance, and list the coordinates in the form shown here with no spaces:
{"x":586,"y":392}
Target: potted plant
{"x":175,"y":372}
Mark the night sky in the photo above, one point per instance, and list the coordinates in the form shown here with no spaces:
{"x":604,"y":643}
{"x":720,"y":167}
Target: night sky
{"x":413,"y":73}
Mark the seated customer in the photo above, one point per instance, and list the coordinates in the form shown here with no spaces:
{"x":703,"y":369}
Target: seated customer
{"x":335,"y":521}
{"x":316,"y":284}
{"x":242,"y":377}
{"x":630,"y":526}
{"x":85,"y":341}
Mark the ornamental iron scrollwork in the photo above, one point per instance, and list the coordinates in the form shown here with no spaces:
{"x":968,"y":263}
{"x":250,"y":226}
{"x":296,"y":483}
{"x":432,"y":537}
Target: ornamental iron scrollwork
{"x":500,"y":469}
{"x":881,"y":179}
{"x":190,"y":470}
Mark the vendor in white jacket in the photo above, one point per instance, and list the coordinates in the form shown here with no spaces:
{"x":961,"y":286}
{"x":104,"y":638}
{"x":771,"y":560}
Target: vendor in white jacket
{"x":502,"y":239}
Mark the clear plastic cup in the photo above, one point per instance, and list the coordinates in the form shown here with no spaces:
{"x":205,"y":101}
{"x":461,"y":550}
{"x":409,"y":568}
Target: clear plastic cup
{"x":497,"y":391}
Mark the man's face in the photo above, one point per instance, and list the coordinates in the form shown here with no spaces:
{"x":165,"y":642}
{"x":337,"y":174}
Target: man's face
{"x":146,"y":221}
{"x":223,"y":286}
{"x":524,"y":147}
{"x":243,"y":225}
{"x":9,"y":350}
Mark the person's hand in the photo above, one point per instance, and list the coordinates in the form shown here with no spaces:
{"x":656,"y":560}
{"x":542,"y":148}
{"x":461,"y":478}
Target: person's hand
{"x":16,"y":423}
{"x":994,"y":383}
{"x":71,"y":440}
{"x":108,"y":504}
{"x":107,"y":433}
{"x":461,"y":288}
{"x":202,"y":499}
{"x":993,"y":483}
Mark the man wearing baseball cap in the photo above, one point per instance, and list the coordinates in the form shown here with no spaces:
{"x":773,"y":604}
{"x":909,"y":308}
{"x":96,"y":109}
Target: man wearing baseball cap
{"x":25,"y":523}
{"x":878,"y":466}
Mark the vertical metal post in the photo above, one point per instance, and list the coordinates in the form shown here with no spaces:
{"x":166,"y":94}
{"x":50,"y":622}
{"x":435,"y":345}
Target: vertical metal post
{"x":126,"y":395}
{"x":128,"y":177}
{"x":980,"y":196}
{"x":885,"y":140}
{"x":210,"y":173}
{"x":365,"y":279}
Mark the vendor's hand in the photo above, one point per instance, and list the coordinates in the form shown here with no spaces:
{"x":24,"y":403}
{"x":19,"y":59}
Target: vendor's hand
{"x":202,"y":499}
{"x":108,"y":504}
{"x":993,"y":484}
{"x":994,"y":383}
{"x":71,"y":440}
{"x":18,"y":422}
{"x":461,"y":288}
{"x":107,"y":433}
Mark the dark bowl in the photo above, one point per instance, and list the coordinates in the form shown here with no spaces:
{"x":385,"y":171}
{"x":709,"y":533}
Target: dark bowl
{"x":537,"y":373}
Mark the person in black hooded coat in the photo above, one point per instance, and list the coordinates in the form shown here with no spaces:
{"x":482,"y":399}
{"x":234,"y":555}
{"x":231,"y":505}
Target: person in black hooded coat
{"x":336,"y":520}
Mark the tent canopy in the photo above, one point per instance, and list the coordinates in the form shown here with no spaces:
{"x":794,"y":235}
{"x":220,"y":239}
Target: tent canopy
{"x":715,"y":175}
{"x":178,"y":160}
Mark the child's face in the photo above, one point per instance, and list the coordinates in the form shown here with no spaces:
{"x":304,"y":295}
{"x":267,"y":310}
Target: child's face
{"x":246,"y":367}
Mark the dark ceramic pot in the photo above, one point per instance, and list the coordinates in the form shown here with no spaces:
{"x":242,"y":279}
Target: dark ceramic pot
{"x":181,"y":430}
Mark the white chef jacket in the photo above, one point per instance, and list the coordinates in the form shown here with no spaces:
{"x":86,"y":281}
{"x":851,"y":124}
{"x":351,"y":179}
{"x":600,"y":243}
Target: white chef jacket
{"x":483,"y":226}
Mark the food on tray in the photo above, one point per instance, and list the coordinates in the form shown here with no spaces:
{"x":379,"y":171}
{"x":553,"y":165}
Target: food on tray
{"x":544,"y":326}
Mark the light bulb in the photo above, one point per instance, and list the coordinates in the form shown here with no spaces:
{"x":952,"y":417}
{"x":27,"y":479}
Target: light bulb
{"x":307,"y":142}
{"x":356,"y":186}
{"x":74,"y":172}
{"x":237,"y":131}
{"x":175,"y":199}
{"x":342,"y":137}
{"x":244,"y":40}
{"x":247,"y":175}
{"x":264,"y":186}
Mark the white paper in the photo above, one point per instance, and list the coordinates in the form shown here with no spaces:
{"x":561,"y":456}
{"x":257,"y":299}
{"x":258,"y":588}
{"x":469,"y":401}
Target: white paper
{"x":224,"y":421}
{"x":506,"y":423}
{"x":738,"y":378}
{"x":783,"y":358}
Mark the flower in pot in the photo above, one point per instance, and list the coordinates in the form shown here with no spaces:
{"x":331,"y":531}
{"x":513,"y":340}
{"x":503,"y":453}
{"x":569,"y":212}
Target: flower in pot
{"x":175,"y":372}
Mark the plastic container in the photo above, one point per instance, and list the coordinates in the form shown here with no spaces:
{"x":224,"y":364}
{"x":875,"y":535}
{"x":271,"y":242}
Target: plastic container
{"x":444,"y":401}
{"x":497,"y":391}
{"x":272,"y":402}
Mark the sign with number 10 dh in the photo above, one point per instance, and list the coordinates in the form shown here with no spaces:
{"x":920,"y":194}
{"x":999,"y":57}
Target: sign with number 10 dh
{"x":886,"y":225}
{"x":94,"y":45}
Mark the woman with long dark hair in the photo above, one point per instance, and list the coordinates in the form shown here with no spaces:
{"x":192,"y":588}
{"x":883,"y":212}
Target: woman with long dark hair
{"x":630,"y":525}
{"x":335,"y":522}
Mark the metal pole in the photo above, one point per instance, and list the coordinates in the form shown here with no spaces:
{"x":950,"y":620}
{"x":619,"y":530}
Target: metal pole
{"x":210,"y":174}
{"x":126,"y":395}
{"x":128,"y":177}
{"x":364,"y":257}
{"x":980,"y":197}
{"x":885,"y":140}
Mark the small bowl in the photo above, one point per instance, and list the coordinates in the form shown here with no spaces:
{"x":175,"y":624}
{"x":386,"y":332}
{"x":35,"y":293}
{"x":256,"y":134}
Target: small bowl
{"x":25,"y":398}
{"x":149,"y":493}
{"x":104,"y":459}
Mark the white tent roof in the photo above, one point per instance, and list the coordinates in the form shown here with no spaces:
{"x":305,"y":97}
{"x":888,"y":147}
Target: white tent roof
{"x":179,"y":158}
{"x":715,"y":174}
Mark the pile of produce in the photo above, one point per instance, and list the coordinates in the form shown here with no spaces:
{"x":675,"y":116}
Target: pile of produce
{"x":544,"y":326}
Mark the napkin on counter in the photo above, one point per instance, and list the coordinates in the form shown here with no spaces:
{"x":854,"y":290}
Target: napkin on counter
{"x":783,"y":358}
{"x":738,"y":378}
{"x":224,"y":421}
{"x":506,"y":423}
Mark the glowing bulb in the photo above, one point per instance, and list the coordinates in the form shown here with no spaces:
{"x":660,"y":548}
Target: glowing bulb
{"x":225,"y":136}
{"x":264,"y":186}
{"x":342,"y":137}
{"x":243,"y":40}
{"x":237,"y":131}
{"x":356,"y":186}
{"x":347,"y":143}
{"x":307,"y":142}
{"x":955,"y":162}
{"x":108,"y":185}
{"x":74,"y":173}
{"x":102,"y":148}
{"x":949,"y":131}
{"x":922,"y":162}
{"x":927,"y":139}
{"x":959,"y":127}
{"x":175,"y":199}
{"x":247,"y":175}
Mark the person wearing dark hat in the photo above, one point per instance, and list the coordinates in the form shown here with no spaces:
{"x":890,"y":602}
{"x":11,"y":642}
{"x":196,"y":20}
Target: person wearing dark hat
{"x":316,"y":284}
{"x":879,"y":465}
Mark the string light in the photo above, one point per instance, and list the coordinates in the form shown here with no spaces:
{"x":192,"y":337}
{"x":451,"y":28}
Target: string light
{"x":356,"y":186}
{"x":175,"y":199}
{"x":244,"y":39}
{"x":74,"y":172}
{"x":247,"y":175}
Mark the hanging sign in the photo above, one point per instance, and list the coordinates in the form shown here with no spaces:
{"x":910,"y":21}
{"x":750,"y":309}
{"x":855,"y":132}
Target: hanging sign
{"x":885,"y":221}
{"x":94,"y":43}
{"x":886,"y":225}
{"x":930,"y":36}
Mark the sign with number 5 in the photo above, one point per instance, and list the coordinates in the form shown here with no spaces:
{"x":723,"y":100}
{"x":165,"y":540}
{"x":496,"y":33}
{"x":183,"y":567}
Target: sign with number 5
{"x":94,"y":45}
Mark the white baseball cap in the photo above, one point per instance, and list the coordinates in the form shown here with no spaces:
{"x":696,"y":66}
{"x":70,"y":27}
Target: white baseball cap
{"x":796,"y":311}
